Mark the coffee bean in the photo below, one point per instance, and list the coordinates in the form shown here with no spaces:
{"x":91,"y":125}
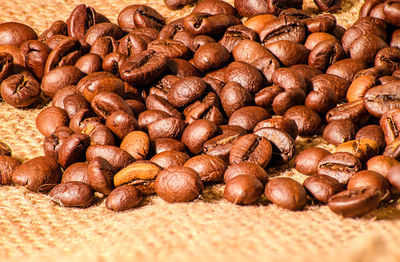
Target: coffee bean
{"x":20,"y":90}
{"x":207,"y":24}
{"x":137,"y":144}
{"x":286,"y":193}
{"x":38,"y":174}
{"x":36,"y":54}
{"x":325,"y":54}
{"x":100,"y":175}
{"x":5,"y":150}
{"x":307,"y":120}
{"x":215,"y":7}
{"x":178,"y":184}
{"x":251,"y":148}
{"x":381,"y":164}
{"x":121,"y":123}
{"x":265,"y":97}
{"x":220,"y":146}
{"x":246,"y":75}
{"x":136,"y":106}
{"x":236,"y":34}
{"x":380,"y":99}
{"x":66,"y":52}
{"x":89,"y":63}
{"x":72,"y":194}
{"x":322,"y":187}
{"x":73,"y":149}
{"x":288,"y":53}
{"x":298,"y":13}
{"x":391,"y":10}
{"x":249,"y":51}
{"x":186,"y":91}
{"x":388,"y":58}
{"x":287,"y":99}
{"x":149,"y":116}
{"x":155,"y":102}
{"x":336,"y":83}
{"x":52,"y":143}
{"x":13,"y":33}
{"x":197,"y":133}
{"x":99,"y":134}
{"x":74,"y":103}
{"x":355,"y":202}
{"x":76,"y":172}
{"x":353,"y":111}
{"x":339,"y":131}
{"x":341,"y":166}
{"x":166,"y":144}
{"x":123,"y":198}
{"x":247,"y":117}
{"x":233,"y":97}
{"x":283,"y":146}
{"x":182,"y":68}
{"x":49,"y":119}
{"x":307,"y":160}
{"x":6,"y":65}
{"x":390,"y":123}
{"x":367,"y":178}
{"x":204,"y":110}
{"x":373,"y":132}
{"x":321,"y":23}
{"x":105,"y":103}
{"x":287,"y":125}
{"x":243,"y":190}
{"x":210,"y":168}
{"x":393,"y":149}
{"x":59,"y":78}
{"x":210,"y":56}
{"x":170,"y":127}
{"x":58,"y":99}
{"x":106,"y":45}
{"x":59,"y":27}
{"x":284,"y":28}
{"x":117,"y":157}
{"x":367,"y":6}
{"x":170,"y":158}
{"x":347,"y":68}
{"x":394,"y":176}
{"x":366,"y":47}
{"x":359,"y":87}
{"x":288,"y":78}
{"x":363,"y":149}
{"x":246,"y":168}
{"x":7,"y":166}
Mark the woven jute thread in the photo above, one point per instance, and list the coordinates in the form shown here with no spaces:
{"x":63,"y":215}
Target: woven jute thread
{"x":32,"y":228}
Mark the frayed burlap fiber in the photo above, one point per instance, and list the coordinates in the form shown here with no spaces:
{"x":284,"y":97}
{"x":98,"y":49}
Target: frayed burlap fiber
{"x":32,"y":228}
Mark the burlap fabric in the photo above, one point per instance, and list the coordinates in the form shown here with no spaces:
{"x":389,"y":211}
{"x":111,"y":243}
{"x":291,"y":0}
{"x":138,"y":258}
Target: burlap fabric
{"x":32,"y":228}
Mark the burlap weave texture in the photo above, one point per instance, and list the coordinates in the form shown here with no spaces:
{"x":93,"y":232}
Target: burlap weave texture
{"x":32,"y":228}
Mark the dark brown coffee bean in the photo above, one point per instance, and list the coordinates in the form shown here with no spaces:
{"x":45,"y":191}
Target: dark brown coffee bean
{"x":149,"y":116}
{"x":390,"y":123}
{"x":105,"y":45}
{"x":59,"y":27}
{"x":204,"y":110}
{"x":182,"y":68}
{"x":287,"y":125}
{"x":210,"y":168}
{"x":103,"y":29}
{"x":287,"y":99}
{"x":236,"y":34}
{"x":346,"y":68}
{"x":13,"y":33}
{"x":73,"y":149}
{"x":6,"y":65}
{"x":283,"y":146}
{"x":394,"y":176}
{"x":72,"y":194}
{"x":265,"y":96}
{"x":79,"y":120}
{"x":178,"y":184}
{"x":97,"y":82}
{"x":251,"y":148}
{"x":286,"y":193}
{"x":215,"y":7}
{"x":288,"y":78}
{"x":373,"y":132}
{"x":359,"y":87}
{"x":382,"y":164}
{"x":101,"y":175}
{"x":49,"y":119}
{"x":389,"y":58}
{"x":67,"y":52}
{"x":366,"y":47}
{"x":354,"y":111}
{"x":233,"y":97}
{"x":144,"y":68}
{"x":76,"y":172}
{"x":315,"y":38}
{"x":170,"y":127}
{"x":170,"y":48}
{"x":89,"y":63}
{"x":220,"y":146}
{"x":59,"y":78}
{"x":247,"y":117}
{"x":363,"y":149}
{"x":137,"y":144}
{"x":321,"y":23}
{"x":246,"y":168}
{"x":307,"y":120}
{"x":38,"y":174}
{"x":155,"y":102}
{"x":170,"y":158}
{"x":121,"y":123}
{"x":20,"y":90}
{"x":18,"y":58}
{"x":341,"y":166}
{"x":249,"y":51}
{"x":243,"y":190}
{"x":105,"y":103}
{"x":52,"y":143}
{"x":322,"y":187}
{"x":246,"y":75}
{"x":207,"y":24}
{"x":197,"y":133}
{"x":125,"y":17}
{"x":288,"y":53}
{"x":186,"y":91}
{"x":328,"y":5}
{"x":7,"y":166}
{"x":336,"y":83}
{"x":117,"y":157}
{"x":145,"y":16}
{"x":355,"y":202}
{"x":325,"y":54}
{"x":339,"y":131}
{"x":380,"y":99}
{"x":54,"y":40}
{"x":367,"y":178}
{"x":391,"y":10}
{"x":298,"y":13}
{"x":284,"y":28}
{"x":36,"y":54}
{"x":367,"y":6}
{"x":99,"y":134}
{"x":210,"y":56}
{"x":307,"y":160}
{"x":123,"y":198}
{"x":58,"y":99}
{"x":167,"y":144}
{"x":75,"y":103}
{"x":393,"y":149}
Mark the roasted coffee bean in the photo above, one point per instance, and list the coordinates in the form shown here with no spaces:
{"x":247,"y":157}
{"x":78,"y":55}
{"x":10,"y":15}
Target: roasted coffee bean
{"x":367,"y":178}
{"x":320,"y":23}
{"x":125,"y":17}
{"x":116,"y":156}
{"x":395,"y":42}
{"x":53,"y":41}
{"x":140,"y":174}
{"x":103,"y":29}
{"x":286,"y":193}
{"x":363,"y":149}
{"x":207,"y":24}
{"x":73,"y":149}
{"x":315,"y":38}
{"x":391,"y":10}
{"x":170,"y":127}
{"x":58,"y":99}
{"x":97,"y":82}
{"x":220,"y":146}
{"x":322,"y":187}
{"x":354,"y":111}
{"x":145,"y":16}
{"x":130,"y":45}
{"x":246,"y":75}
{"x":170,"y":48}
{"x":49,"y":119}
{"x":265,"y":96}
{"x":38,"y":174}
{"x":210,"y":168}
{"x":390,"y":123}
{"x":210,"y":56}
{"x":380,"y":99}
{"x":121,"y":123}
{"x":355,"y":202}
{"x":123,"y":198}
{"x":283,"y":146}
{"x":336,"y":83}
{"x":325,"y":54}
{"x":287,"y":125}
{"x":346,"y":68}
{"x":186,"y":91}
{"x":106,"y":45}
{"x":235,"y":34}
{"x":249,"y":51}
{"x":149,"y":116}
{"x":284,"y":28}
{"x":76,"y":172}
{"x":307,"y":120}
{"x":382,"y":164}
{"x":307,"y":72}
{"x":243,"y":190}
{"x":298,"y":13}
{"x":394,"y":176}
{"x":288,"y":53}
{"x":307,"y":160}
{"x":388,"y":58}
{"x":75,"y":103}
{"x":328,"y":5}
{"x":214,"y":7}
{"x":59,"y":78}
{"x":144,"y":68}
{"x":36,"y":54}
{"x":178,"y":184}
{"x":251,"y":148}
{"x":5,"y":150}
{"x":72,"y":194}
{"x":6,"y":65}
{"x":17,"y":57}
{"x":288,"y":78}
{"x":204,"y":110}
{"x":287,"y":99}
{"x":13,"y":33}
{"x":157,"y":103}
{"x":137,"y":106}
{"x":89,"y":63}
{"x":52,"y":143}
{"x":20,"y":90}
{"x":79,"y":120}
{"x":367,"y":6}
{"x":341,"y":166}
{"x":7,"y":166}
{"x":373,"y":132}
{"x":137,"y":144}
{"x":59,"y":27}
{"x":182,"y":68}
{"x":366,"y":47}
{"x":99,"y":134}
{"x":339,"y":131}
{"x":197,"y":133}
{"x":321,"y":99}
{"x":167,"y":144}
{"x":177,"y":4}
{"x":393,"y":149}
{"x":359,"y":87}
{"x":171,"y":158}
{"x":233,"y":97}
{"x":101,"y":174}
{"x":67,"y":52}
{"x":105,"y":103}
{"x":247,"y":117}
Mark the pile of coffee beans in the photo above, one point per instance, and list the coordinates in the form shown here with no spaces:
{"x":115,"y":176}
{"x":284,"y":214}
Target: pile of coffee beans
{"x":148,"y":107}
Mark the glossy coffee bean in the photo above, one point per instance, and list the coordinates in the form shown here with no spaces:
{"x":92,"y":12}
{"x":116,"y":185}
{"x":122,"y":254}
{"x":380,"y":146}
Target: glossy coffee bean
{"x":394,"y":176}
{"x":123,"y":198}
{"x":246,"y":168}
{"x":52,"y":143}
{"x":233,"y":97}
{"x":170,"y":127}
{"x":210,"y":56}
{"x":186,"y":91}
{"x":13,"y":33}
{"x":166,"y":144}
{"x":36,"y":54}
{"x":73,"y":149}
{"x":287,"y":99}
{"x":307,"y":121}
{"x":149,"y":116}
{"x":341,"y":166}
{"x":215,"y":7}
{"x":346,"y":68}
{"x":393,"y":149}
{"x":246,"y":75}
{"x":210,"y":168}
{"x":72,"y":194}
{"x":74,"y":103}
{"x":38,"y":174}
{"x":325,"y":53}
{"x":359,"y":87}
{"x":59,"y":78}
{"x":99,"y":134}
{"x":373,"y":132}
{"x":243,"y":190}
{"x":355,"y":202}
{"x":118,"y":158}
{"x":137,"y":144}
{"x":20,"y":90}
{"x":307,"y":160}
{"x":105,"y":103}
{"x":89,"y":63}
{"x":220,"y":146}
{"x":247,"y":117}
{"x":286,"y":193}
{"x":390,"y":123}
{"x":121,"y":123}
{"x":197,"y":133}
{"x":284,"y":28}
{"x":339,"y":131}
{"x":207,"y":24}
{"x":367,"y":178}
{"x":322,"y":187}
{"x":363,"y":149}
{"x":49,"y":119}
{"x":251,"y":148}
{"x":66,"y":52}
{"x":101,"y":175}
{"x":59,"y":27}
{"x":380,"y":99}
{"x":353,"y":111}
{"x":288,"y":78}
{"x":7,"y":66}
{"x":284,"y":124}
{"x":236,"y":34}
{"x":7,"y":166}
{"x":178,"y":184}
{"x":76,"y":172}
{"x":391,"y":10}
{"x":170,"y":158}
{"x":288,"y":53}
{"x":382,"y":164}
